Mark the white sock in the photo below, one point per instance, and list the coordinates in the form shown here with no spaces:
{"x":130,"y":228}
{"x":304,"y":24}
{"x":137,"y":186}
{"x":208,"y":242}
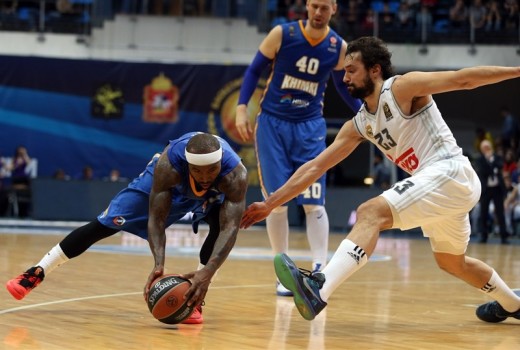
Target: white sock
{"x":497,"y":289}
{"x":317,"y":223}
{"x":347,"y":259}
{"x":277,"y":225}
{"x":54,"y":258}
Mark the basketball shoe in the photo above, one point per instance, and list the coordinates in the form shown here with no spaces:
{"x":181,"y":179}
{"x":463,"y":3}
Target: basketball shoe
{"x":304,"y":284}
{"x":195,"y":317}
{"x":20,"y":286}
{"x":493,"y":312}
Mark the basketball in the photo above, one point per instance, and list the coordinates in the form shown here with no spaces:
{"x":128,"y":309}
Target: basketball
{"x":166,"y":299}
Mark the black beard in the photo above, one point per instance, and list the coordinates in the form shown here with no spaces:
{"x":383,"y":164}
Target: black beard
{"x":362,"y":92}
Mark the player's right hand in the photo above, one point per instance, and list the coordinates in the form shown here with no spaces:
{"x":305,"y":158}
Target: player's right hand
{"x":254,"y":213}
{"x":242,"y":123}
{"x":157,"y":271}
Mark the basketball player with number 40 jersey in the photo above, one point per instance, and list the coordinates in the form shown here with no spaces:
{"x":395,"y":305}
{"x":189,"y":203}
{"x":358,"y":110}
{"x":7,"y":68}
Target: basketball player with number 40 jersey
{"x":290,"y":128}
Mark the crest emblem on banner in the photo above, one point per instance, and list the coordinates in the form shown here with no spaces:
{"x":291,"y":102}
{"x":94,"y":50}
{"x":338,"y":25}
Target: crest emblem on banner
{"x":161,"y":101}
{"x":221,"y":121}
{"x":108,"y":102}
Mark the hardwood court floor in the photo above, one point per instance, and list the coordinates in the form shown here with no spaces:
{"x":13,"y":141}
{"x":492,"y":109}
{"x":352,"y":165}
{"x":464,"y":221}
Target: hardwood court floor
{"x":400,"y":300}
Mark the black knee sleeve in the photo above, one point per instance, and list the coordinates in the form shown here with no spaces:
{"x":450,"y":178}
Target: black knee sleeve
{"x":83,"y":237}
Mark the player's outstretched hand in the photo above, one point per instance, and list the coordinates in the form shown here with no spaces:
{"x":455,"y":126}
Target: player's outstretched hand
{"x":157,"y":272}
{"x":254,"y":213}
{"x":200,"y":281}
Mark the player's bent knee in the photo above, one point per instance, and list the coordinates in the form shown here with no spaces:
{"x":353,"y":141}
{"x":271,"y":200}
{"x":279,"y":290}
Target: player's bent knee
{"x":452,"y":264}
{"x":377,"y":211}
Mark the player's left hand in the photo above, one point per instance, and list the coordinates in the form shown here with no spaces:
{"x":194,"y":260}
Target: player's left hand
{"x":200,"y":281}
{"x":254,"y":213}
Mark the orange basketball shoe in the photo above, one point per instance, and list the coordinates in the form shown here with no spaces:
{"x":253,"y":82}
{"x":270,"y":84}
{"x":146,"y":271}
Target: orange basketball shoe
{"x":20,"y":286}
{"x":195,"y":317}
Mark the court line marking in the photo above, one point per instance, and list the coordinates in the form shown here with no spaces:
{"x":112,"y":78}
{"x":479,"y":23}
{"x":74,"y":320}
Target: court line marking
{"x":92,"y":297}
{"x":63,"y":301}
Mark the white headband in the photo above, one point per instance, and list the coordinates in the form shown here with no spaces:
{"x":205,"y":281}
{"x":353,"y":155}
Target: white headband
{"x":204,"y":158}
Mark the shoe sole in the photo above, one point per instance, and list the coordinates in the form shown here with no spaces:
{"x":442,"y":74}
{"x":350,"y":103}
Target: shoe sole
{"x":193,"y":321}
{"x":288,"y":274}
{"x":12,"y":290}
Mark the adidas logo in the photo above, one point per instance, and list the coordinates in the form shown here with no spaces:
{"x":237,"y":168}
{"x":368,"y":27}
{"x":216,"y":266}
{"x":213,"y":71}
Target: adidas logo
{"x":354,"y":256}
{"x":357,"y":254}
{"x":488,"y":288}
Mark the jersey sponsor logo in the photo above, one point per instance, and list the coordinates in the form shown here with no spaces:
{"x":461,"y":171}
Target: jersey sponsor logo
{"x":408,"y":161}
{"x":161,"y":101}
{"x":296,"y":102}
{"x":368,"y":130}
{"x":119,"y":221}
{"x":333,"y":44}
{"x":290,"y":82}
{"x":388,"y":113}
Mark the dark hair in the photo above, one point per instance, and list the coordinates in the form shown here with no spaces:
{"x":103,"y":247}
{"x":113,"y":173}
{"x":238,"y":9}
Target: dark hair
{"x":373,"y":51}
{"x":203,"y":143}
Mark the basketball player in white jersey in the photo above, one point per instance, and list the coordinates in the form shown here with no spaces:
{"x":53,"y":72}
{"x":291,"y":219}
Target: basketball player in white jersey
{"x":400,"y":117}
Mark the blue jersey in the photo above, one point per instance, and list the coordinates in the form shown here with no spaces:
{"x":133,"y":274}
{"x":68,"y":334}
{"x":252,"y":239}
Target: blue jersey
{"x":300,"y":73}
{"x":128,"y":210}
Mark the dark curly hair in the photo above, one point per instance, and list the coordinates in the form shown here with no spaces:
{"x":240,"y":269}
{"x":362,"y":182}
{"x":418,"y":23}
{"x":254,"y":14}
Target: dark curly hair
{"x":373,"y":51}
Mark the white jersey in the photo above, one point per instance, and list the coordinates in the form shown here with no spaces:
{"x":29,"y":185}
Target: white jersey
{"x":411,"y":142}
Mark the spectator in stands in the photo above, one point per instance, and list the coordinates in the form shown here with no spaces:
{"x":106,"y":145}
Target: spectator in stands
{"x":368,"y":21}
{"x":20,"y":191}
{"x":424,"y":18}
{"x":489,"y":169}
{"x":387,"y":17}
{"x":512,"y":207}
{"x":493,"y":16}
{"x":381,"y":173}
{"x":8,"y":9}
{"x":459,"y":15}
{"x":297,"y":11}
{"x":20,"y":163}
{"x":481,"y":134}
{"x":510,"y":133}
{"x":509,"y":161}
{"x":477,"y":14}
{"x":405,"y":16}
{"x":87,"y":173}
{"x":3,"y":191}
{"x":115,"y":176}
{"x":60,"y":174}
{"x":511,"y":15}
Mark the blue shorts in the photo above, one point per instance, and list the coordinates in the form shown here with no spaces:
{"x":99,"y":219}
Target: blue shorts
{"x":282,"y":147}
{"x":128,"y":211}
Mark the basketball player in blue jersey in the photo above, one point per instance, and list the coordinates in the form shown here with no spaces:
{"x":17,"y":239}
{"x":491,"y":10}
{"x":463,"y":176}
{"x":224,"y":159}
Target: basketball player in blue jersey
{"x":290,"y":128}
{"x":197,"y":173}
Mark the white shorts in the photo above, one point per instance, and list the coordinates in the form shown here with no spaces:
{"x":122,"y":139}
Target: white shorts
{"x":437,"y":199}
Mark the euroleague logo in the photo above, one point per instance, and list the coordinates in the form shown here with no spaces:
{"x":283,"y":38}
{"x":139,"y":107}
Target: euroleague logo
{"x":119,"y":221}
{"x":222,"y":115}
{"x":172,"y":301}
